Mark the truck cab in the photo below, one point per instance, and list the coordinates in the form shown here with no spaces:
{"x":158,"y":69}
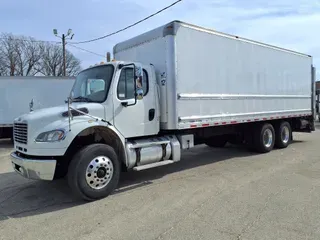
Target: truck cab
{"x":106,"y":91}
{"x":115,"y":87}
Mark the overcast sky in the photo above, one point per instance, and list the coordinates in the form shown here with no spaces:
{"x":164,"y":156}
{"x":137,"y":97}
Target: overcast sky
{"x":293,"y":24}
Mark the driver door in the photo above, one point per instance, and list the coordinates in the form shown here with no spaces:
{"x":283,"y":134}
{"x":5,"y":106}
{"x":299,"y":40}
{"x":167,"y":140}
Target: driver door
{"x":139,"y":117}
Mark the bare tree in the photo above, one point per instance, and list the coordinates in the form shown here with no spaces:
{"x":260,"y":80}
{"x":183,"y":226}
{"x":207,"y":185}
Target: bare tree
{"x":3,"y":68}
{"x":51,"y":58}
{"x":18,"y":55}
{"x":28,"y":56}
{"x":8,"y":56}
{"x":51,"y":63}
{"x":73,"y":65}
{"x":24,"y":56}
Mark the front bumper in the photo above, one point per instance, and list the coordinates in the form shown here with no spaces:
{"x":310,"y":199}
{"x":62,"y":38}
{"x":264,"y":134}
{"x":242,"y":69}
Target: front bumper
{"x":34,"y":168}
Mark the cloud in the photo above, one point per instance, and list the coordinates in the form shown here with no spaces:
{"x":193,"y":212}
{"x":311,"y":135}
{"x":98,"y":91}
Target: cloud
{"x":288,"y":24}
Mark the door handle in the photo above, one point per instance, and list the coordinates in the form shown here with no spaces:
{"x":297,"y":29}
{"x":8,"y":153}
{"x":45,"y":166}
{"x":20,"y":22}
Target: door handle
{"x":152,"y":112}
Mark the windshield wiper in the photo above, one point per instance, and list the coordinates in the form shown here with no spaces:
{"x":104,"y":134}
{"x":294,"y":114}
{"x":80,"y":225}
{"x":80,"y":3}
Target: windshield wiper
{"x":81,"y":99}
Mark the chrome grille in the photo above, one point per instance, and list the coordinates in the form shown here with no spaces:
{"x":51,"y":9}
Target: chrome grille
{"x":20,"y":132}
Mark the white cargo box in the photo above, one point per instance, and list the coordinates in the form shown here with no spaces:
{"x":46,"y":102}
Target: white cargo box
{"x":17,"y":92}
{"x":208,"y":78}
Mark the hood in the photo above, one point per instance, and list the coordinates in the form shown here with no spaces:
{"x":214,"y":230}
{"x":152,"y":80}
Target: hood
{"x":42,"y":117}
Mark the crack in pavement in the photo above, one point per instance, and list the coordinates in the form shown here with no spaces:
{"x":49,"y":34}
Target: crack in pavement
{"x":14,"y":186}
{"x":13,"y":195}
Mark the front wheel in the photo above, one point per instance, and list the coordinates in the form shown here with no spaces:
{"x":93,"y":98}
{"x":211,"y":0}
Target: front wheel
{"x":94,"y":172}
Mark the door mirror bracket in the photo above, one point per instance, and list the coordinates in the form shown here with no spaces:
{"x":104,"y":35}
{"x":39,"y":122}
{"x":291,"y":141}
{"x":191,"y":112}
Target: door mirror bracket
{"x":128,"y":102}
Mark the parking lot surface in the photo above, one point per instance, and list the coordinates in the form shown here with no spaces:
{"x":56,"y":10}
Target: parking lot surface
{"x":211,"y":194}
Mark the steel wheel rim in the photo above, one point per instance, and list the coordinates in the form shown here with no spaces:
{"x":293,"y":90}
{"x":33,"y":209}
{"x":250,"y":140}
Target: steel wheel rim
{"x":99,"y":172}
{"x":285,"y":134}
{"x":267,"y":138}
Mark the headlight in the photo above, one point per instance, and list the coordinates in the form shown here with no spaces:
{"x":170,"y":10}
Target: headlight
{"x":51,"y":136}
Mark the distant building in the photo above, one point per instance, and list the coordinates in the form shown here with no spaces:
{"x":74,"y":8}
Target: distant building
{"x":318,"y":85}
{"x":317,"y":96}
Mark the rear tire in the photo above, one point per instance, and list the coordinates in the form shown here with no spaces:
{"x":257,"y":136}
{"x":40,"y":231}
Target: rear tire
{"x":94,"y":172}
{"x":283,"y":135}
{"x":263,"y":138}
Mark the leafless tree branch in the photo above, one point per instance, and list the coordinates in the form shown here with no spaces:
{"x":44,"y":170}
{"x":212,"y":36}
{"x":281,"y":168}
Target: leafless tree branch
{"x":23,"y":56}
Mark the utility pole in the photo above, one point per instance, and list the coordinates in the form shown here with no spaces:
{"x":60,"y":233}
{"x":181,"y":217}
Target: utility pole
{"x":108,"y":56}
{"x":64,"y":54}
{"x":64,"y":37}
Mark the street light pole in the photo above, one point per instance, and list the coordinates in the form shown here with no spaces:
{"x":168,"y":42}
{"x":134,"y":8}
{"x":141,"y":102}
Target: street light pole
{"x":64,"y":54}
{"x":64,"y":37}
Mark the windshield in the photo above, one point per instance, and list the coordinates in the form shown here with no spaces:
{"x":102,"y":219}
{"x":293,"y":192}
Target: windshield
{"x":92,"y":85}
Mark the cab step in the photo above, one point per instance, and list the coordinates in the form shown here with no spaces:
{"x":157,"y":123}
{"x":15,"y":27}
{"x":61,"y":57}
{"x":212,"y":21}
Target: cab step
{"x":153,"y":165}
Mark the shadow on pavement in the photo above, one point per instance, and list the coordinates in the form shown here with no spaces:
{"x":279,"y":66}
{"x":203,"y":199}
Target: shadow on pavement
{"x":20,"y":197}
{"x":6,"y":143}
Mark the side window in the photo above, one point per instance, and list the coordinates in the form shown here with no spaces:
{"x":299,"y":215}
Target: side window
{"x":125,"y":85}
{"x":125,"y":88}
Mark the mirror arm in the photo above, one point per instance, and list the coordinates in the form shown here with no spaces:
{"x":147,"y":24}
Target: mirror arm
{"x":125,"y":104}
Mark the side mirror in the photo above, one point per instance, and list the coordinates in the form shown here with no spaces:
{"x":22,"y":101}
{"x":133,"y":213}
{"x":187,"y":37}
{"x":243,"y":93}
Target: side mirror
{"x":31,"y":105}
{"x":138,"y":75}
{"x":137,"y":84}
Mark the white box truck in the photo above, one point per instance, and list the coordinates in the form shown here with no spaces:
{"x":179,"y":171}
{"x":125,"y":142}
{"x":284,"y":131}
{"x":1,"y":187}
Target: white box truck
{"x":167,"y":90}
{"x":20,"y":95}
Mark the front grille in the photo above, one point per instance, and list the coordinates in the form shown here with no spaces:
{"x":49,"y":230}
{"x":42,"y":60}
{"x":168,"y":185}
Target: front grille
{"x":20,"y":132}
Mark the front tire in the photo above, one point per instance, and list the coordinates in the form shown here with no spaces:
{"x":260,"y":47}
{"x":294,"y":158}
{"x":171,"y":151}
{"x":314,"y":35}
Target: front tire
{"x":94,"y":172}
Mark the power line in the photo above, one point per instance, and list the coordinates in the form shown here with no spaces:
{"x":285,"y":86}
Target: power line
{"x":85,"y":50}
{"x":136,"y":23}
{"x":43,"y":41}
{"x":102,"y":37}
{"x":27,"y":40}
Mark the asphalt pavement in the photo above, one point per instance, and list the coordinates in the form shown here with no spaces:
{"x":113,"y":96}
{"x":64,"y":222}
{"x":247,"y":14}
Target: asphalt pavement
{"x":210,"y":194}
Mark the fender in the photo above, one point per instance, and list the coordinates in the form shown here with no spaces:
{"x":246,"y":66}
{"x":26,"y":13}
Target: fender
{"x":92,"y":131}
{"x":80,"y":127}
